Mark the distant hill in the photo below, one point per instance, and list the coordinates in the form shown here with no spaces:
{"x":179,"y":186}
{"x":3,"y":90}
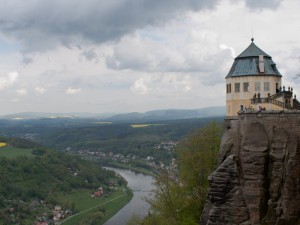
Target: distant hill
{"x":155,"y":115}
{"x":170,"y":114}
{"x":39,"y":115}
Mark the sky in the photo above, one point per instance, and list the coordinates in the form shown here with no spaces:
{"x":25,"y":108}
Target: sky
{"x":122,"y":56}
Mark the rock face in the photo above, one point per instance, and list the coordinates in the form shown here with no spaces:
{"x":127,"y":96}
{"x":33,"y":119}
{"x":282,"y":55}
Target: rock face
{"x":257,"y":181}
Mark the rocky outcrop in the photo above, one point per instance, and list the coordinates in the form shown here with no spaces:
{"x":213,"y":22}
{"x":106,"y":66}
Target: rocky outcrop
{"x":257,"y":181}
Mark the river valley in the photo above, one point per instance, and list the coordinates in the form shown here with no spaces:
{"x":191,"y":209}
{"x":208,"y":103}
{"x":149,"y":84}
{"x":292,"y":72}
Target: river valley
{"x":141,"y":185}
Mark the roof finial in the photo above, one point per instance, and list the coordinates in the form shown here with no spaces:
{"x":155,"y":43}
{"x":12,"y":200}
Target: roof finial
{"x":252,"y":39}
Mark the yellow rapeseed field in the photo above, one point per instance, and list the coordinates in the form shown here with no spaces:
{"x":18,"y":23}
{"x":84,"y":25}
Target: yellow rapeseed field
{"x":2,"y":144}
{"x":144,"y":125}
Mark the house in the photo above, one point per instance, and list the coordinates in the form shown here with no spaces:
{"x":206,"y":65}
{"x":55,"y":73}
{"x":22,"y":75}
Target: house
{"x":57,"y":208}
{"x":42,"y":223}
{"x":255,"y":83}
{"x":98,"y":193}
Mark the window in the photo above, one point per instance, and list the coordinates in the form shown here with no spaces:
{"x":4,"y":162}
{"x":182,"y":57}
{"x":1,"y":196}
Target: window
{"x":246,"y":87}
{"x":228,"y":88}
{"x":257,"y":86}
{"x":266,"y":86}
{"x":237,"y":87}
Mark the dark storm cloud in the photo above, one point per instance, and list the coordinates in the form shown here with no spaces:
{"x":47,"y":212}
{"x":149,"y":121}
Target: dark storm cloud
{"x":40,"y":25}
{"x":44,"y":24}
{"x":27,"y":60}
{"x":261,"y":4}
{"x":90,"y":54}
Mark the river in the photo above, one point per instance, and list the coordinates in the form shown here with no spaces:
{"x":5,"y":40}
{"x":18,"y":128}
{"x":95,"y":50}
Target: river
{"x":141,"y":185}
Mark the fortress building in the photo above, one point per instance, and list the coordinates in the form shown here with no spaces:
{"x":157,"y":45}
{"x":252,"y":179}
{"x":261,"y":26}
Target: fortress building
{"x":254,"y":83}
{"x":256,"y":181}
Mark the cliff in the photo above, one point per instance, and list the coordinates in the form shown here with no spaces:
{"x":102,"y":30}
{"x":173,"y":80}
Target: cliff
{"x":257,"y":181}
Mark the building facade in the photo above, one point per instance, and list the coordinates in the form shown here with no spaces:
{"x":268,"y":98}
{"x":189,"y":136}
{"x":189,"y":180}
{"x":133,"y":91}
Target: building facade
{"x":254,"y":83}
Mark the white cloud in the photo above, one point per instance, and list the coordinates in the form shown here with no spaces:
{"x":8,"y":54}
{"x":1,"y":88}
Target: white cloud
{"x":73,"y":91}
{"x":139,"y":86}
{"x":21,"y":92}
{"x":39,"y":90}
{"x":165,"y":85}
{"x":15,"y":100}
{"x":232,"y":51}
{"x":8,"y":79}
{"x":195,"y":51}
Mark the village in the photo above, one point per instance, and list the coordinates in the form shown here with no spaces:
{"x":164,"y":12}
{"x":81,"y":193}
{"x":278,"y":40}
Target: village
{"x":149,"y":160}
{"x":46,"y":213}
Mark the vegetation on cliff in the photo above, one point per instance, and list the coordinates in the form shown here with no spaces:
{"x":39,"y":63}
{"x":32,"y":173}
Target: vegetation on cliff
{"x":181,"y":200}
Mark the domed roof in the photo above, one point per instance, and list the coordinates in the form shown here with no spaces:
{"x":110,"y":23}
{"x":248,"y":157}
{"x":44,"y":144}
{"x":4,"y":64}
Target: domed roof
{"x":247,"y":63}
{"x":252,"y":51}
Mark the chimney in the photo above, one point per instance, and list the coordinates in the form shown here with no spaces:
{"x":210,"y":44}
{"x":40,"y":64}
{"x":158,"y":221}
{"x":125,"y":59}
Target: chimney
{"x":261,"y":64}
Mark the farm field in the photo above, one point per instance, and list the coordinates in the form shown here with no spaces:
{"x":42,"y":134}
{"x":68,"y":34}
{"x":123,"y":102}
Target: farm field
{"x":98,"y":209}
{"x":145,"y":125}
{"x":13,"y":152}
{"x":2,"y":144}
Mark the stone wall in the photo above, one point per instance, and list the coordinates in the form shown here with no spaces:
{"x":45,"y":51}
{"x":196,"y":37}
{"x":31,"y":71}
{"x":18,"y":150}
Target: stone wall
{"x":257,"y":180}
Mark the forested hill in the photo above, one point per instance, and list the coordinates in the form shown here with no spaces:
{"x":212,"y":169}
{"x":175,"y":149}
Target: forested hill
{"x":154,"y":115}
{"x":170,"y":114}
{"x":34,"y":173}
{"x":126,"y":138}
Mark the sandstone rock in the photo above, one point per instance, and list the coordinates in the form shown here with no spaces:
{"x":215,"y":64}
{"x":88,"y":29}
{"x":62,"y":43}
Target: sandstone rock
{"x":257,"y":180}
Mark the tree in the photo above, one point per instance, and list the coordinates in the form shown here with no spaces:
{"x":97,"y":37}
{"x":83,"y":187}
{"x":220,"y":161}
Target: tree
{"x":181,"y":200}
{"x":197,"y":159}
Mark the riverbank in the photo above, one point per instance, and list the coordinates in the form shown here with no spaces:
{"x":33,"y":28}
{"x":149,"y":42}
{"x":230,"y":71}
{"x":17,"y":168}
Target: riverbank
{"x":115,"y":164}
{"x":103,"y":210}
{"x":142,"y":187}
{"x":97,"y":210}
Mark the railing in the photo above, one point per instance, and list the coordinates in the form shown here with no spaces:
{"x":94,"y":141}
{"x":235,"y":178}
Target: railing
{"x":287,"y":94}
{"x":272,"y":101}
{"x":296,"y":104}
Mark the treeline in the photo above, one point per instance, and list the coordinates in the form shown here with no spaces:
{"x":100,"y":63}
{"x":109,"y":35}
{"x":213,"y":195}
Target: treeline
{"x":42,"y":177}
{"x":119,"y":138}
{"x":180,"y":200}
{"x":20,"y":142}
{"x":122,"y":138}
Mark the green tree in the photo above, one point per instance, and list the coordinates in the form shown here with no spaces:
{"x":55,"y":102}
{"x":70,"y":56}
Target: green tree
{"x":180,"y":201}
{"x":197,"y":159}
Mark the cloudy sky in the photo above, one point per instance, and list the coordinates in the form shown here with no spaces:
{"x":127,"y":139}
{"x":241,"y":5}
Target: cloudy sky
{"x":135,"y":55}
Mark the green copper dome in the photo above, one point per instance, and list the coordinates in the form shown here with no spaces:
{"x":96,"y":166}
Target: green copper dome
{"x":247,"y":63}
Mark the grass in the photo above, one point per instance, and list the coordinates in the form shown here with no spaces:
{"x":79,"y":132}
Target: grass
{"x":89,"y":207}
{"x":13,"y":152}
{"x":144,"y":125}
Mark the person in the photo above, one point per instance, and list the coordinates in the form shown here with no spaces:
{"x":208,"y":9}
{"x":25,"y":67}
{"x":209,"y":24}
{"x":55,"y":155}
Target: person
{"x":269,"y":97}
{"x":259,"y":108}
{"x":258,"y":96}
{"x":254,"y":98}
